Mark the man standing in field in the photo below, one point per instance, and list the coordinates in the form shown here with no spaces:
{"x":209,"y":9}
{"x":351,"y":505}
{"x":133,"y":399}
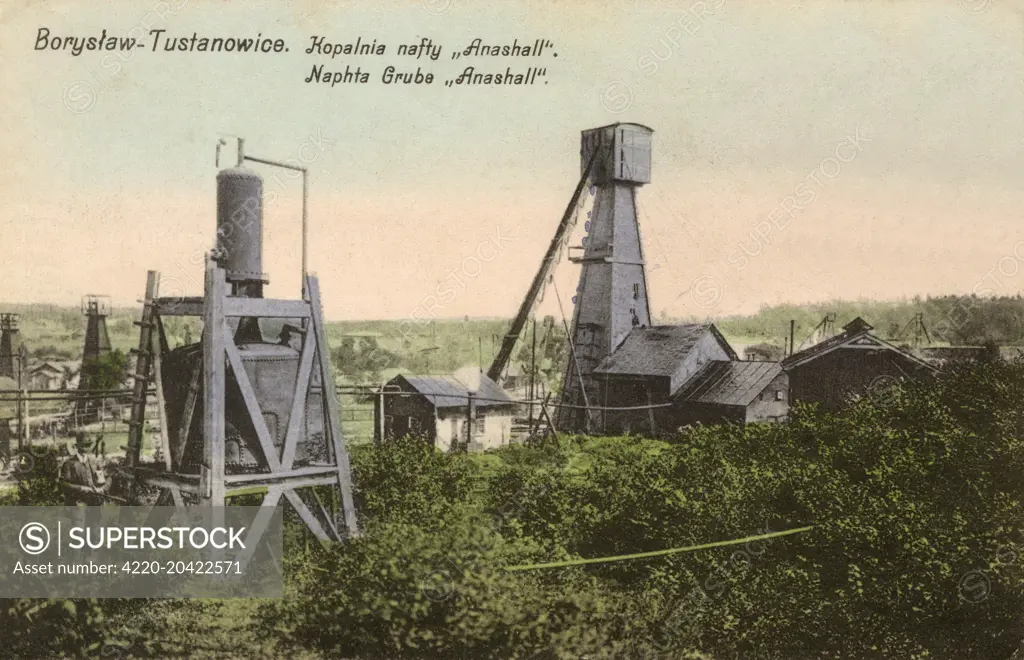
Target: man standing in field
{"x":81,"y":478}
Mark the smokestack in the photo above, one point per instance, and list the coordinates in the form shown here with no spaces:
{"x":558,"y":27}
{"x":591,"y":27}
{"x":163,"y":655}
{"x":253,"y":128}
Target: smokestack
{"x":792,"y":336}
{"x":240,"y":238}
{"x":240,"y":229}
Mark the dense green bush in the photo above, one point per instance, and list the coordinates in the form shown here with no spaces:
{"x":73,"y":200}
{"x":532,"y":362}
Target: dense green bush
{"x":913,"y":492}
{"x":106,"y":372}
{"x":409,"y":481}
{"x":410,"y":593}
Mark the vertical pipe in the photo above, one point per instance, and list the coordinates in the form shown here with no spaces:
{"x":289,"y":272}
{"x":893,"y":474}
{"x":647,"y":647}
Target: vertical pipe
{"x":21,"y":410}
{"x":650,"y":412}
{"x":792,"y":335}
{"x":469,"y":420}
{"x":24,"y":429}
{"x":380,"y":416}
{"x":533,"y":372}
{"x":305,"y":228}
{"x":604,"y":413}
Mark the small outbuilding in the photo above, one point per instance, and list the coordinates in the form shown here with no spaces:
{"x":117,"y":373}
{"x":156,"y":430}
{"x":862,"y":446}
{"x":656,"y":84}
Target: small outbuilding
{"x":443,"y":410}
{"x":46,"y":376}
{"x":849,"y":364}
{"x":648,"y":368}
{"x":734,"y":392}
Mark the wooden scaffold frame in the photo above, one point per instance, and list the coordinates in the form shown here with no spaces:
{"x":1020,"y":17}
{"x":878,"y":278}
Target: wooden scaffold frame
{"x":221,"y":361}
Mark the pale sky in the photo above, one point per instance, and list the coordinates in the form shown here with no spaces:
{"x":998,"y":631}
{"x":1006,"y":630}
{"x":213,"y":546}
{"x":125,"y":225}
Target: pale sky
{"x":109,"y":160}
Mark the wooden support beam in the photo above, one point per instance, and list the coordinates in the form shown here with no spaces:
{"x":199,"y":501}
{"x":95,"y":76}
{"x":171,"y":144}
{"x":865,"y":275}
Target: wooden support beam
{"x":179,"y":501}
{"x":165,"y":441}
{"x":297,"y":419}
{"x":299,"y":473}
{"x":295,"y":482}
{"x":252,"y":404}
{"x":181,"y":440}
{"x":332,"y":426}
{"x":266,"y":308}
{"x":161,"y":332}
{"x":170,"y":496}
{"x":192,"y":306}
{"x":260,"y":524}
{"x":306,"y":515}
{"x":170,"y":483}
{"x":212,"y":477}
{"x":325,"y":515}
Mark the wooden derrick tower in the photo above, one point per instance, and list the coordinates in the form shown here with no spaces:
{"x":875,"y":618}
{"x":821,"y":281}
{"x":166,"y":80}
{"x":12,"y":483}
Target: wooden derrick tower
{"x":612,"y":291}
{"x":252,"y":406}
{"x":95,"y":309}
{"x":11,"y":348}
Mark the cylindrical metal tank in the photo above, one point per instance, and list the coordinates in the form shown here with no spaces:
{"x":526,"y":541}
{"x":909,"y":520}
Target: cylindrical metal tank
{"x":240,"y":223}
{"x":272,"y":370}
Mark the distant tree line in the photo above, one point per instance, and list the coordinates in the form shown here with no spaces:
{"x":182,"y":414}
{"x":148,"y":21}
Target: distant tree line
{"x":955,"y":320}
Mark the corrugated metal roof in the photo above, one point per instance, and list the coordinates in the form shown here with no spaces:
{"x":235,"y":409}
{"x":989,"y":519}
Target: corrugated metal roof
{"x":653,"y":351}
{"x":450,"y":392}
{"x":734,"y":383}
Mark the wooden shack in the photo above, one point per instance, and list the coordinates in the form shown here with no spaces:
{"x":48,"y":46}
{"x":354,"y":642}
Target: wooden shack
{"x":836,"y":370}
{"x":734,"y":393}
{"x":648,"y":368}
{"x":439,"y":409}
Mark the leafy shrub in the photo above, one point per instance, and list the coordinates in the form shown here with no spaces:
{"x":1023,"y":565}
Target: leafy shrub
{"x":407,"y":592}
{"x":916,"y":549}
{"x":409,"y":481}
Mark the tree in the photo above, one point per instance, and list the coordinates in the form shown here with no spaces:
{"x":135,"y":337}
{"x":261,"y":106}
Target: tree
{"x":107,"y":372}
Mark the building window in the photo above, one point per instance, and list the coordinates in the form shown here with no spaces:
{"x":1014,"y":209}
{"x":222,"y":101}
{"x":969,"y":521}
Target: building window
{"x":636,"y":292}
{"x":778,"y":395}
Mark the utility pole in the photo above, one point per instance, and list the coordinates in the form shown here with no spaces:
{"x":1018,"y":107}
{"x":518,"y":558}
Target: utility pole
{"x":24,"y":412}
{"x":533,"y":370}
{"x":380,"y":416}
{"x":21,"y":406}
{"x":469,"y":419}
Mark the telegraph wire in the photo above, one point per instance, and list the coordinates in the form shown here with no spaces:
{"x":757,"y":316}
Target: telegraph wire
{"x":10,"y":396}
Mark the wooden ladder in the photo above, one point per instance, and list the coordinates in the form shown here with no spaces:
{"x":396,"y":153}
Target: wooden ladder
{"x":143,"y":370}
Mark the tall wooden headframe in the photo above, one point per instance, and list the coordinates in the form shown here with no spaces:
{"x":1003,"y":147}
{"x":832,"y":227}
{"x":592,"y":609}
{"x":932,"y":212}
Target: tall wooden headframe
{"x":222,"y":366}
{"x":612,"y":291}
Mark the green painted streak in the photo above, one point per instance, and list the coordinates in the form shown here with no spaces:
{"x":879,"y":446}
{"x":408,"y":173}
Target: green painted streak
{"x":658,"y":553}
{"x":252,"y":490}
